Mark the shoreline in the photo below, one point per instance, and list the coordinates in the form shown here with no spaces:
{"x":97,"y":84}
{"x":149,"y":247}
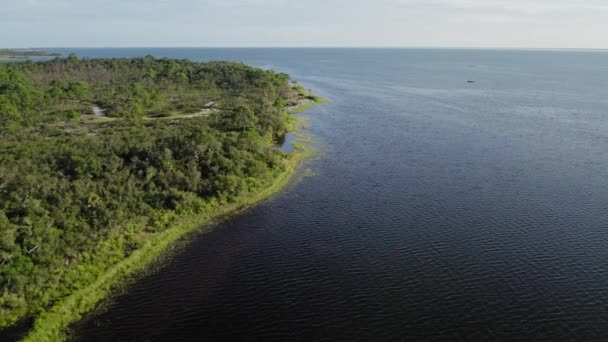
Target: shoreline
{"x":53,"y":324}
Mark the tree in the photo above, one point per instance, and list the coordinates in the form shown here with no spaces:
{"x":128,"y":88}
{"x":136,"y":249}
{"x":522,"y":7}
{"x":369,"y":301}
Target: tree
{"x":240,"y":119}
{"x":8,"y":235}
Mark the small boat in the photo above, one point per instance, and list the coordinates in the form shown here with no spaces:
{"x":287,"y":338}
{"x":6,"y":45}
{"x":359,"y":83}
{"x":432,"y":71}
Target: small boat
{"x":469,"y":81}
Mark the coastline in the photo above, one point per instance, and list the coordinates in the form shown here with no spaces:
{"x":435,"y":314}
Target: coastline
{"x":53,"y":324}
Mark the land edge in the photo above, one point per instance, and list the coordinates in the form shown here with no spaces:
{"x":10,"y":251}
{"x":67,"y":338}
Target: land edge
{"x":52,"y":325}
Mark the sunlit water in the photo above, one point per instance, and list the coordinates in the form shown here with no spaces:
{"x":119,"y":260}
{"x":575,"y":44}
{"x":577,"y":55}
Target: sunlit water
{"x":439,"y":210}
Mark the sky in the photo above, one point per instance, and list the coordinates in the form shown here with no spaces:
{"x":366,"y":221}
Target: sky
{"x":305,"y":23}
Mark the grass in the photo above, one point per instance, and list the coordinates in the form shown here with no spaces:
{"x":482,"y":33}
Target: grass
{"x":52,"y":325}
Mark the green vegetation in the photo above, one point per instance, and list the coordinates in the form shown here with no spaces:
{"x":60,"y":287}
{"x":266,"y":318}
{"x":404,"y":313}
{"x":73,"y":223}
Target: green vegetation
{"x":86,"y":200}
{"x":52,"y":324}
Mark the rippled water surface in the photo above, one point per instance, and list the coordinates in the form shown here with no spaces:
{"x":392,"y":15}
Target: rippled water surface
{"x":439,"y":210}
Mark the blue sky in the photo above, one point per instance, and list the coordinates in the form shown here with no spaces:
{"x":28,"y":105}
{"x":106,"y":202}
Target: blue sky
{"x":236,"y":23}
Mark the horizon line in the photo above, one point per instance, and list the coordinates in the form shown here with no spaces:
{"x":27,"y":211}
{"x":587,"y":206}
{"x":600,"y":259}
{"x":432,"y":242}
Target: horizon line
{"x":313,"y":47}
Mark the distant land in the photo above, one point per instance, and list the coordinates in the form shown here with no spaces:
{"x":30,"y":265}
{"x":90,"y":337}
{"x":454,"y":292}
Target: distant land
{"x":25,"y":53}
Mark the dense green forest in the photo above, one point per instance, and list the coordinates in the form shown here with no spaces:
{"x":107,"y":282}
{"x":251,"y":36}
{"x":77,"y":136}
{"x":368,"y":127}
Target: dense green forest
{"x":80,"y":192}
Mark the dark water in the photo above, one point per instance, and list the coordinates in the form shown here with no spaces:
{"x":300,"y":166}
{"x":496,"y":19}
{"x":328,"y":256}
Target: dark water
{"x":440,"y":210}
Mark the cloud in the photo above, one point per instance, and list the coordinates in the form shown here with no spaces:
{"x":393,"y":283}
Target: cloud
{"x":528,"y":7}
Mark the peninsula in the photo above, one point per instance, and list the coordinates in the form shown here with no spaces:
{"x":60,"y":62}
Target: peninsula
{"x":105,"y":162}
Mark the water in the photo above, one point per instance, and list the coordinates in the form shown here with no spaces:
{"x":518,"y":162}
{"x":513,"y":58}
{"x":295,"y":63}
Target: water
{"x":286,"y":142}
{"x":440,"y":210}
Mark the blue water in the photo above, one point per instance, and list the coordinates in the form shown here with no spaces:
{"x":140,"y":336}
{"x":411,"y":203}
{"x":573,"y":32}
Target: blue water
{"x":439,"y":210}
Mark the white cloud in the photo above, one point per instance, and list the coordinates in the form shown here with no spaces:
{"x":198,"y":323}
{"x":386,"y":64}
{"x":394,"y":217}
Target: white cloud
{"x":530,"y":7}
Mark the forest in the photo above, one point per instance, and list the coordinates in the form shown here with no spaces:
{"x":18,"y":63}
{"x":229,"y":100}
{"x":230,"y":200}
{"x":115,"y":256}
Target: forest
{"x":97,"y":155}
